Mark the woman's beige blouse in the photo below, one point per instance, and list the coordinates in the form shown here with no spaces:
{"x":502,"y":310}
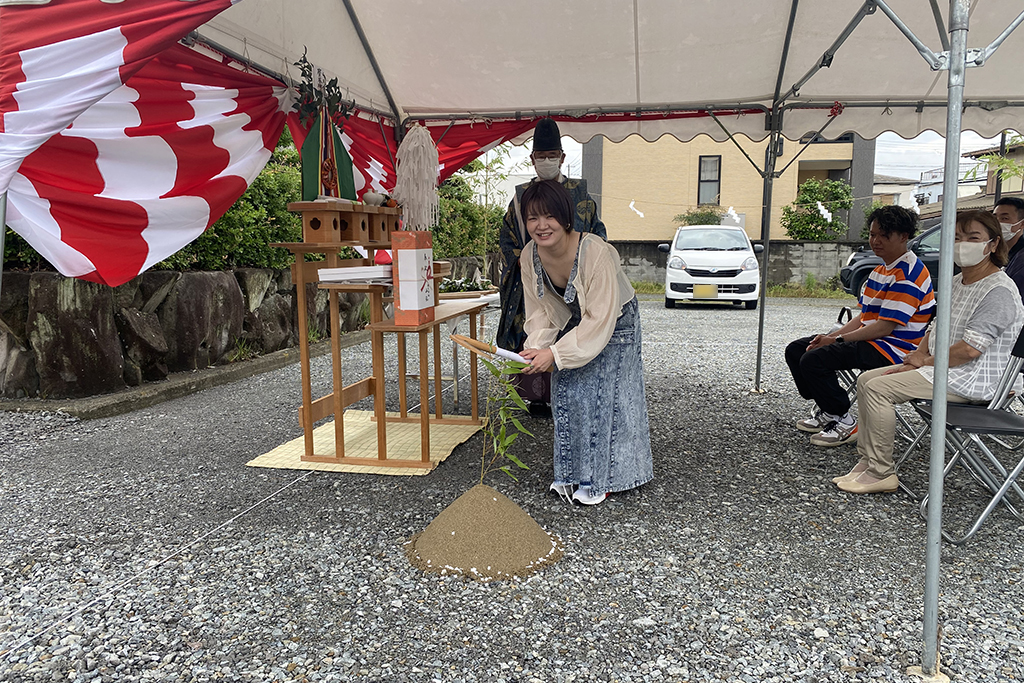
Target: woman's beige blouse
{"x":601,"y":289}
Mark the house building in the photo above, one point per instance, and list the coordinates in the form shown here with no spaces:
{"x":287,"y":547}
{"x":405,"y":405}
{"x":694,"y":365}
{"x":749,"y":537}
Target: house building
{"x":890,"y":190}
{"x":641,"y":186}
{"x":982,"y":192}
{"x":971,"y":181}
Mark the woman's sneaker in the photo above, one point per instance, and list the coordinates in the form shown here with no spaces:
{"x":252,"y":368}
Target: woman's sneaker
{"x":584,"y":495}
{"x":836,"y":433}
{"x":813,"y":424}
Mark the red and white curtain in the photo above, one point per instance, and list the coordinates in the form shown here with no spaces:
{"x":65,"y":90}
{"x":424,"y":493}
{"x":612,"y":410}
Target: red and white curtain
{"x":118,"y":146}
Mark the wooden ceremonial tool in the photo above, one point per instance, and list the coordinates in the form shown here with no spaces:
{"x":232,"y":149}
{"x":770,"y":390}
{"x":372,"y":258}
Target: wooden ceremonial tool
{"x":483,"y":348}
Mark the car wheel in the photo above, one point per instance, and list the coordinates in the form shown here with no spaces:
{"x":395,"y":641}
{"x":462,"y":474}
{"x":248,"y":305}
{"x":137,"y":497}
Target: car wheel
{"x":751,"y":305}
{"x":861,"y":286}
{"x":670,"y":303}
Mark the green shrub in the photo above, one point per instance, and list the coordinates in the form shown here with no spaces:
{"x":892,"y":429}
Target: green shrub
{"x":465,"y":228}
{"x":865,"y":232}
{"x":18,"y":255}
{"x":705,"y":214}
{"x":803,"y":221}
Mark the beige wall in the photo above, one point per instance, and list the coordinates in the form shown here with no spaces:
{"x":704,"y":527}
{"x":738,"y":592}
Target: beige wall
{"x":661,"y":179}
{"x":1010,"y":183}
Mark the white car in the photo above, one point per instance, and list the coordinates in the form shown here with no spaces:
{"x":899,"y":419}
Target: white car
{"x":711,"y":263}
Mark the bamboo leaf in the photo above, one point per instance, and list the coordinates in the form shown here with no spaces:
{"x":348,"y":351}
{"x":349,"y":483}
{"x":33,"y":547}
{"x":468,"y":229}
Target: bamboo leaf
{"x":517,"y":461}
{"x":520,"y":427}
{"x":490,"y":366}
{"x":518,"y":400}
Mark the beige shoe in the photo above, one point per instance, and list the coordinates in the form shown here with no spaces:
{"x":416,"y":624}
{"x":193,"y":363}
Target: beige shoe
{"x":865,"y":483}
{"x":852,"y":474}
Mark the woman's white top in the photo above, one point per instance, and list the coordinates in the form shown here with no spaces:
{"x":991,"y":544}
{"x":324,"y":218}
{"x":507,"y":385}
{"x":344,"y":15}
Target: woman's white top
{"x":597,"y":284}
{"x":987,"y":315}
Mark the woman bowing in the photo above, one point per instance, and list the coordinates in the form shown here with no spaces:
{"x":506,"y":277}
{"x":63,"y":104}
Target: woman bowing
{"x":583,"y":323}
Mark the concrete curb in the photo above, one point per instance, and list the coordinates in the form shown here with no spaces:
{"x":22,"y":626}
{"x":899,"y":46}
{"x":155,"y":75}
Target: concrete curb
{"x":176,"y":385}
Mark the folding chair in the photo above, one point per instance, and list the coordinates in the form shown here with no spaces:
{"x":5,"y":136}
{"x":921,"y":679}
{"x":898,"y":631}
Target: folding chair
{"x":966,"y":424}
{"x":848,"y":380}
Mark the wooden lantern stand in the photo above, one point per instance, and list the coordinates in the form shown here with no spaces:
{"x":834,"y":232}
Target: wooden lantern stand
{"x":327,"y":227}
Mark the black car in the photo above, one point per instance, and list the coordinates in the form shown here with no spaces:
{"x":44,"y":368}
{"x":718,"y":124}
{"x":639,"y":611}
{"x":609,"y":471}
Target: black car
{"x":861,"y":262}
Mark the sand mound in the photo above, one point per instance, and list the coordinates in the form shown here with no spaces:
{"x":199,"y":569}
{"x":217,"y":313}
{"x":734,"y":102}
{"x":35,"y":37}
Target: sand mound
{"x":485,"y":536}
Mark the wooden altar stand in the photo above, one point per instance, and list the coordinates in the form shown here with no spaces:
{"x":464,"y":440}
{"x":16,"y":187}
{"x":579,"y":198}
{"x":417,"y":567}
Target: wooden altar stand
{"x":377,"y":222}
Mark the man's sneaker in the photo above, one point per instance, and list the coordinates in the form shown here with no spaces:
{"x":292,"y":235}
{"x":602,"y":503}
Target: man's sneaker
{"x":815,"y":423}
{"x":836,"y":434}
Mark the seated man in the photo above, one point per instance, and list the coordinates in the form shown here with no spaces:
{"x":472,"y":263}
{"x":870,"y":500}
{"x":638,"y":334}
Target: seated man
{"x":896,"y":306}
{"x":1009,"y":212}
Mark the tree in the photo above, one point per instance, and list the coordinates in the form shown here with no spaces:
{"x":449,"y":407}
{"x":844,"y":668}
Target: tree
{"x":865,"y":232}
{"x":803,"y":220}
{"x":705,"y":214}
{"x":465,"y":227}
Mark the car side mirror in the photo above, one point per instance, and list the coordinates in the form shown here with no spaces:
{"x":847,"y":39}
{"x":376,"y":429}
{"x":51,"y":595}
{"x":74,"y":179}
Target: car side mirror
{"x":664,"y":248}
{"x":758,"y":248}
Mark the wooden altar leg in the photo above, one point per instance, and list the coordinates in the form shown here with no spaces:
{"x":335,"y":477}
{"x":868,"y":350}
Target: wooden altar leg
{"x":379,"y":407}
{"x":299,"y":278}
{"x":339,"y":387}
{"x":473,"y":398}
{"x":424,"y":401}
{"x":403,"y":399}
{"x":438,"y":403}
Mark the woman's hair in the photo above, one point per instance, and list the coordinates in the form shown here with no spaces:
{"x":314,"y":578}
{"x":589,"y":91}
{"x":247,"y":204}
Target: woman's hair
{"x":549,"y":198}
{"x":987,"y":220}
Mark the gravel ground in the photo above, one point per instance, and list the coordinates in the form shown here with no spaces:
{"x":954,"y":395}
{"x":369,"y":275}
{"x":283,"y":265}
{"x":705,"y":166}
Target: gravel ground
{"x":739,"y":562}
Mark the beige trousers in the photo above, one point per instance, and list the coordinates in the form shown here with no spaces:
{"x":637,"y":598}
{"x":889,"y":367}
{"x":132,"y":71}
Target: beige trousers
{"x":877,"y":396}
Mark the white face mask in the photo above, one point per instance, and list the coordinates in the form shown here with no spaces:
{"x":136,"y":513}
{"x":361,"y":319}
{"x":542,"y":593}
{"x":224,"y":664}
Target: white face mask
{"x":547,"y":169}
{"x":1008,"y":230}
{"x":967,"y":254}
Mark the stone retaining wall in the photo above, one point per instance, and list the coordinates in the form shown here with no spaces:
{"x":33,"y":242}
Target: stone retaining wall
{"x":68,"y":338}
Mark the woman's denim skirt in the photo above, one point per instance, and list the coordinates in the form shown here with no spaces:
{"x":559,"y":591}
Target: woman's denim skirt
{"x":602,"y":437}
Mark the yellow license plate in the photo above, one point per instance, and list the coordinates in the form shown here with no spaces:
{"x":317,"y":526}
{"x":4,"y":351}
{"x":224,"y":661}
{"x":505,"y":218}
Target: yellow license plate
{"x":705,"y":291}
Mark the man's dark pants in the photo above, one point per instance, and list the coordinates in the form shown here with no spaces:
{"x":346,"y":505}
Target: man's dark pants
{"x":815,"y":371}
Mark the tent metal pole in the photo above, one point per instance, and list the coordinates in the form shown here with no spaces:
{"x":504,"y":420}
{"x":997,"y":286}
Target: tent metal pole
{"x":937,"y":14}
{"x":999,"y":173}
{"x":935,"y":61}
{"x":826,"y":58}
{"x":397,"y":113}
{"x":3,"y":235}
{"x":771,"y":155}
{"x":958,"y":26}
{"x":732,"y":138}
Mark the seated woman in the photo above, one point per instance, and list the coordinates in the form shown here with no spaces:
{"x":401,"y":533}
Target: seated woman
{"x":582,"y":321}
{"x":986,"y":318}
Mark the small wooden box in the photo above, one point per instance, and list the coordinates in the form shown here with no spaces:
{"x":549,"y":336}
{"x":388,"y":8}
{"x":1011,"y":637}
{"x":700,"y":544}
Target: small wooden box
{"x":355,"y":225}
{"x":324,"y":225}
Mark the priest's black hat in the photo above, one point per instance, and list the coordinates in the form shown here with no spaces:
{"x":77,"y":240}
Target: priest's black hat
{"x":546,"y":137}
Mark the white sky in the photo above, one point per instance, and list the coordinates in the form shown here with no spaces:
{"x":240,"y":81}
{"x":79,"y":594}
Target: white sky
{"x":894,"y":156}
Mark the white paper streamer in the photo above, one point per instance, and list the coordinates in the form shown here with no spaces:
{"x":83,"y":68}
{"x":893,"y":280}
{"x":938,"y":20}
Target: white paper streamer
{"x":416,"y":182}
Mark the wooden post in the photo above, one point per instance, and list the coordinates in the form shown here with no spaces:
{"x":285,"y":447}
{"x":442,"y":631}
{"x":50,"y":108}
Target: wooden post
{"x":424,"y":400}
{"x":403,"y":399}
{"x":438,"y":403}
{"x":473,"y":398}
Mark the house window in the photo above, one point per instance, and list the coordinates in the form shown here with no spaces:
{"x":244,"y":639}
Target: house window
{"x":709,"y":184}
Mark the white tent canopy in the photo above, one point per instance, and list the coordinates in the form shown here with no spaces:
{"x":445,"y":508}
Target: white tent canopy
{"x":474,"y":59}
{"x":656,"y":67}
{"x":653,"y":67}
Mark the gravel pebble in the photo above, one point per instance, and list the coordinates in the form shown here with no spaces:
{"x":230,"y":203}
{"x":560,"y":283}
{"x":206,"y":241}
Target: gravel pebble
{"x":740,"y":561}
